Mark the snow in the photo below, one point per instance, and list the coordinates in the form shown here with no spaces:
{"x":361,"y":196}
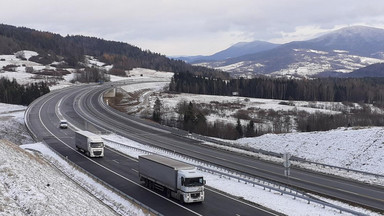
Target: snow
{"x":233,"y":104}
{"x":312,"y":51}
{"x":340,"y":51}
{"x":30,"y":186}
{"x":354,"y":148}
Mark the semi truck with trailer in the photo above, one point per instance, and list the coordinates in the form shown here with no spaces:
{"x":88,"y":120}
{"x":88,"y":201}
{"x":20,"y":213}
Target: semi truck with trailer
{"x":89,"y":143}
{"x":175,"y":178}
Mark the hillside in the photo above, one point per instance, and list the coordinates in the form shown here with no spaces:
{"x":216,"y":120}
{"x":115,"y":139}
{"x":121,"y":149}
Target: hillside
{"x":332,"y":54}
{"x":237,"y":50}
{"x":71,"y":51}
{"x":374,"y":70}
{"x":30,"y":187}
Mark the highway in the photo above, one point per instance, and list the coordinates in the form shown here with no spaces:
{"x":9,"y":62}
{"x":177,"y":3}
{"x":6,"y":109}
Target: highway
{"x":82,"y":107}
{"x":116,"y":169}
{"x":146,"y":132}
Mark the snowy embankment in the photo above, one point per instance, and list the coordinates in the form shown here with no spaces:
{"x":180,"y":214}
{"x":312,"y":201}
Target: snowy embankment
{"x":30,"y":186}
{"x":354,"y":148}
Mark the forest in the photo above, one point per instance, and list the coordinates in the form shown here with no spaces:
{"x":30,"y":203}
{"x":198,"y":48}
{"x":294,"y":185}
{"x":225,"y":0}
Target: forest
{"x":13,"y":93}
{"x":359,"y":90}
{"x":72,"y":50}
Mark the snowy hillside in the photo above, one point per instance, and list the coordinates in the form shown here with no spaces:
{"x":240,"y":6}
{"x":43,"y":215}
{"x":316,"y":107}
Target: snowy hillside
{"x":305,"y":63}
{"x":30,"y":186}
{"x":354,"y":148}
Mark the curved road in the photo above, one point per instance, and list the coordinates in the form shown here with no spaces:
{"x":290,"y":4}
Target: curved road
{"x":90,"y":107}
{"x":42,"y":118}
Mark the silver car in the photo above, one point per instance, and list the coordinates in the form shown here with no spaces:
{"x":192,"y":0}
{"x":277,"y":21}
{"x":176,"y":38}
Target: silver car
{"x":63,"y":124}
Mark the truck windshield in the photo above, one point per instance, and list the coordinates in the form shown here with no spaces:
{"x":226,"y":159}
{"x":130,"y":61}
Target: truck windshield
{"x":190,"y":182}
{"x":97,"y":145}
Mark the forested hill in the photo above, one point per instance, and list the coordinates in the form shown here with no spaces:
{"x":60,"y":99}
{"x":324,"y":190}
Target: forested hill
{"x":71,"y":49}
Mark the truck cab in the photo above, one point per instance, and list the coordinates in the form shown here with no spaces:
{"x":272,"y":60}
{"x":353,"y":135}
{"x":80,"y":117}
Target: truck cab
{"x":192,"y":184}
{"x":96,"y":147}
{"x":89,"y":143}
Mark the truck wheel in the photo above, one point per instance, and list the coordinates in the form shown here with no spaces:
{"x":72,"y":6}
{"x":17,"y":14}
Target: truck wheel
{"x":181,"y":199}
{"x":168,"y":193}
{"x":146,"y":183}
{"x":87,"y":153}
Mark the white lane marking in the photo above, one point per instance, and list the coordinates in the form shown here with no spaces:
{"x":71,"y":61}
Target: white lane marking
{"x":121,"y":176}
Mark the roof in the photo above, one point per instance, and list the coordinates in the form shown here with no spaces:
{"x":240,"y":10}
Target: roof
{"x":167,"y":161}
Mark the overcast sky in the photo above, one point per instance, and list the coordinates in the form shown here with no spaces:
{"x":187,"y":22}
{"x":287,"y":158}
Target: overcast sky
{"x":181,"y":27}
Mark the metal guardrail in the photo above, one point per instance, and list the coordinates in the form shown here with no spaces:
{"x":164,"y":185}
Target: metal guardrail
{"x":266,"y":185}
{"x":336,"y":167}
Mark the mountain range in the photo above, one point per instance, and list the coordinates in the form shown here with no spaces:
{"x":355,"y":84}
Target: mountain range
{"x":335,"y":54}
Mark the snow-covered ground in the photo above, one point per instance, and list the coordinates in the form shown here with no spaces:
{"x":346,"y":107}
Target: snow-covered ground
{"x":30,"y":186}
{"x":355,"y":148}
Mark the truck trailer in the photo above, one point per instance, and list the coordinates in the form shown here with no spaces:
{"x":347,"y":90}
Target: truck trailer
{"x":175,"y":178}
{"x":89,"y":143}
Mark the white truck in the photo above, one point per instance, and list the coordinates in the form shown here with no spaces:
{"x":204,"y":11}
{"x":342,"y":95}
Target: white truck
{"x":89,"y":143}
{"x":175,"y":178}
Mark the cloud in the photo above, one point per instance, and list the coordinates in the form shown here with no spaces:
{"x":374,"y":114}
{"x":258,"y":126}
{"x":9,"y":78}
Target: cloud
{"x":175,"y":27}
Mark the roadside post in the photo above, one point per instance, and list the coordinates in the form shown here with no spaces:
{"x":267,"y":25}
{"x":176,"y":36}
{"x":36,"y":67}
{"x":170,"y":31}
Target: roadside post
{"x":287,"y":164}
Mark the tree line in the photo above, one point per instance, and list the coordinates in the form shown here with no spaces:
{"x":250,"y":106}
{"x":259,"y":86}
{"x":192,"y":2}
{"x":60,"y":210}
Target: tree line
{"x":72,"y":49}
{"x":12,"y":92}
{"x":360,"y":90}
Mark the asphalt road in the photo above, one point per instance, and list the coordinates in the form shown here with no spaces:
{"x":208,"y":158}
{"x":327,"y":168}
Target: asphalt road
{"x":116,"y":169}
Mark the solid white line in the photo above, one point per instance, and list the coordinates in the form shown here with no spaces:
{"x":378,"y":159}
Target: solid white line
{"x":108,"y":168}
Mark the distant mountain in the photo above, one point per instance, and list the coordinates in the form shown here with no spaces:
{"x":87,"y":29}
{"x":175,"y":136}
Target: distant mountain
{"x":357,"y":40}
{"x":70,"y":51}
{"x":239,"y":49}
{"x":332,"y":54}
